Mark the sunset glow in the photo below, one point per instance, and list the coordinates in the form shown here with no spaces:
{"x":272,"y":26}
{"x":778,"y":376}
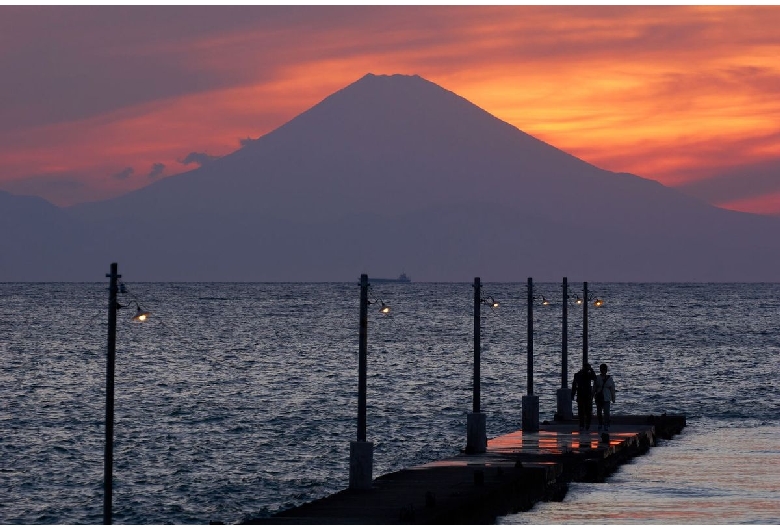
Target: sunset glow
{"x":107,"y":100}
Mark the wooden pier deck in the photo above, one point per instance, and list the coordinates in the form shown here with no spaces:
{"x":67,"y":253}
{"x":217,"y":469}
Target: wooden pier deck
{"x":518,"y":470}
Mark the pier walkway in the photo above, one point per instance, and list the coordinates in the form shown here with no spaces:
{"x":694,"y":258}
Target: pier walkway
{"x":518,"y":470}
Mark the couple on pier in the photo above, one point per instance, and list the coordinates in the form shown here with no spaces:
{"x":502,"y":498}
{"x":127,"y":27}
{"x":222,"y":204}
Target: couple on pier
{"x":587,"y":386}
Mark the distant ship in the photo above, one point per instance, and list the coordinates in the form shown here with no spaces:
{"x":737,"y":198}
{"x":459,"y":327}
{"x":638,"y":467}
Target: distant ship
{"x":403,"y":278}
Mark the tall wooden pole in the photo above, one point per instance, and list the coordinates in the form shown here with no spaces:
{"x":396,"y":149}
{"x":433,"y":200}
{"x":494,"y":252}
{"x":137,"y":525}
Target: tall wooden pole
{"x":530,"y":336}
{"x":108,"y":456}
{"x":477,"y":344}
{"x":565,"y":336}
{"x":563,"y":395}
{"x":476,"y":421}
{"x":530,"y":401}
{"x":585,"y":324}
{"x":363,"y":358}
{"x":361,"y":452}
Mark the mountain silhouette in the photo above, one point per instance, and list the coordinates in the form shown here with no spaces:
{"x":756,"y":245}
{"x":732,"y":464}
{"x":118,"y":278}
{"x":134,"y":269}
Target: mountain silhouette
{"x":395,"y":173}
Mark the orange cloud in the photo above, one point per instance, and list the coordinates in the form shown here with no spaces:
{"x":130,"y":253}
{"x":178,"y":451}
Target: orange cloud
{"x":670,"y":93}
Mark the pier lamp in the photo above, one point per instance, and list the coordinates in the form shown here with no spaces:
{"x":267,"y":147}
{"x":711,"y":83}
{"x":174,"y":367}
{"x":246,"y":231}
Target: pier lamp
{"x":530,"y":402}
{"x":361,"y":451}
{"x":140,"y":314}
{"x":579,"y":300}
{"x":476,"y":420}
{"x":542,"y":300}
{"x":490,"y":302}
{"x":564,"y":410}
{"x":563,"y":394}
{"x":584,"y":325}
{"x":384,"y":308}
{"x":584,"y":302}
{"x":108,"y":457}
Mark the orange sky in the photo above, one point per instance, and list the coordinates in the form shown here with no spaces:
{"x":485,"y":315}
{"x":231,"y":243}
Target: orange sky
{"x":97,"y":101}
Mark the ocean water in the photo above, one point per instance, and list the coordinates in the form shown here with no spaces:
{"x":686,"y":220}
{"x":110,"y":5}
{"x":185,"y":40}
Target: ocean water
{"x":238,"y":400}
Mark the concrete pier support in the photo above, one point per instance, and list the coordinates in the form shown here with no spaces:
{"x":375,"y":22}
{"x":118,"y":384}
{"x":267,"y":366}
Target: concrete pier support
{"x":531,"y":413}
{"x":361,"y":465}
{"x":476,"y":432}
{"x":564,"y":408}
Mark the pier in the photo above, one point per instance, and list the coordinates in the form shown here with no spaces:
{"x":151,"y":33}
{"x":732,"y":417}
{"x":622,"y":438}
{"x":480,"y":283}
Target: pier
{"x":516,"y":471}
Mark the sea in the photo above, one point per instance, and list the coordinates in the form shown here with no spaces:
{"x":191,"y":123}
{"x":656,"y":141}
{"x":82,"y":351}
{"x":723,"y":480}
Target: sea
{"x":237,"y":400}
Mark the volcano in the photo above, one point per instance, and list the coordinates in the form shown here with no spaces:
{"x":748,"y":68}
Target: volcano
{"x":395,"y":173}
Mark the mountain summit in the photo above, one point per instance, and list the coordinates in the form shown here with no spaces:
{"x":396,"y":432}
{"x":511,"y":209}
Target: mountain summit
{"x":397,"y":173}
{"x":397,"y":143}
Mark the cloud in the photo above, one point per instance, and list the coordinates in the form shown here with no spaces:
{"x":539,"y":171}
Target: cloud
{"x":245,"y":141}
{"x":157,"y":170}
{"x":200,"y":159}
{"x":659,"y":91}
{"x":124,"y":174}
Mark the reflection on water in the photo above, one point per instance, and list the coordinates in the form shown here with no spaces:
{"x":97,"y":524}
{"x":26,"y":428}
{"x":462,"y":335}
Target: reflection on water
{"x":710,"y":474}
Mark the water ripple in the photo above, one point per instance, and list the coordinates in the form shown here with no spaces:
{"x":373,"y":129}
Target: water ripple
{"x":237,"y":400}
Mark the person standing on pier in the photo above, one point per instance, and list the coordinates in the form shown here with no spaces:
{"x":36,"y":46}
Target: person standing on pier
{"x":582,"y":391}
{"x":604,"y":391}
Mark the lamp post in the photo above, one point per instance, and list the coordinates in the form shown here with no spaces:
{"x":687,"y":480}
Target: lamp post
{"x":530,"y":360}
{"x":108,"y":455}
{"x":563,"y":395}
{"x":361,"y":452}
{"x":477,"y":343}
{"x":476,"y":420}
{"x":362,"y":358}
{"x":530,"y":402}
{"x":584,"y":324}
{"x":565,"y":335}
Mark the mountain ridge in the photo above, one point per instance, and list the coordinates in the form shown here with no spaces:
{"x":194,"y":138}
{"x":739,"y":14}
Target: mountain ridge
{"x":325,"y":195}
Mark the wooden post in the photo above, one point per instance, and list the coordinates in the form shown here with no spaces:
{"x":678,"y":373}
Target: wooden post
{"x":476,"y":421}
{"x":108,"y":455}
{"x":530,"y":337}
{"x":361,"y":452}
{"x":477,"y":344}
{"x":563,"y":394}
{"x":530,"y":402}
{"x":585,"y":324}
{"x":362,"y":358}
{"x":565,"y":336}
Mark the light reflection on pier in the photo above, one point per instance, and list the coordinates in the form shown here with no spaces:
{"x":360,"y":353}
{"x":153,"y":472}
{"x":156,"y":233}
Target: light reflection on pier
{"x":553,"y":440}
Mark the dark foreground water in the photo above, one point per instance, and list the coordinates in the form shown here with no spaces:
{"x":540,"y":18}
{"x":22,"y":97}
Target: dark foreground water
{"x":237,"y":400}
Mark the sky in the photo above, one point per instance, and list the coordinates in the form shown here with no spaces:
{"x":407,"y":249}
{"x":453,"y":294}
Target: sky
{"x":97,"y":101}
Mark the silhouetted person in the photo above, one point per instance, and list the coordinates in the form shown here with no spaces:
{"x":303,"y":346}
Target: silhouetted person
{"x":582,"y":391}
{"x":604,"y":392}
